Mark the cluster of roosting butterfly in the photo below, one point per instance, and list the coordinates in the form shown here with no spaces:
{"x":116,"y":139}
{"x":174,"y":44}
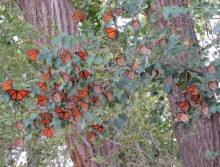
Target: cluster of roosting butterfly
{"x":77,"y":104}
{"x":190,"y":96}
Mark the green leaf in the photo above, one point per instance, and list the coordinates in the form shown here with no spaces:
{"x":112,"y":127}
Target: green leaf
{"x":167,"y":88}
{"x":119,"y":123}
{"x":58,"y":38}
{"x":216,"y":29}
{"x":166,"y":12}
{"x":48,"y":59}
{"x":66,"y":42}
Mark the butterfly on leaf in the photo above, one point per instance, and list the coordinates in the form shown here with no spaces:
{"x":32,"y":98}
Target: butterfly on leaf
{"x":46,"y":119}
{"x":182,"y":117}
{"x":77,"y":115}
{"x":64,"y":76}
{"x":91,"y":137}
{"x":212,"y":85}
{"x":46,"y":75}
{"x":74,"y":81}
{"x":65,"y":56}
{"x":83,"y":93}
{"x":79,"y":16}
{"x":107,"y":17}
{"x":210,"y":69}
{"x":32,"y":54}
{"x":18,"y":125}
{"x":42,"y":85}
{"x":84,"y":74}
{"x":130,"y":75}
{"x":111,"y":33}
{"x":76,"y":68}
{"x":42,"y":100}
{"x":7,"y":85}
{"x":48,"y":132}
{"x":96,"y":88}
{"x":204,"y":108}
{"x":62,"y":114}
{"x":196,"y":99}
{"x":97,"y":127}
{"x":120,"y":60}
{"x":108,"y":95}
{"x":18,"y":95}
{"x":134,"y":24}
{"x":144,"y":50}
{"x":82,"y":55}
{"x":83,"y":105}
{"x":192,"y":90}
{"x":183,"y":105}
{"x":95,"y":100}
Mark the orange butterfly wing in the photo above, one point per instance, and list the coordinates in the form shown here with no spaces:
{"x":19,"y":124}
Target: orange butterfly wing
{"x":18,"y":125}
{"x":196,"y":99}
{"x":107,"y":17}
{"x":18,"y":95}
{"x":91,"y":137}
{"x":108,"y":95}
{"x":97,"y":127}
{"x":134,"y":24}
{"x":48,"y":132}
{"x":32,"y":54}
{"x":46,"y":75}
{"x":74,"y":81}
{"x":19,"y":142}
{"x":82,"y":55}
{"x":65,"y":57}
{"x":42,"y":85}
{"x":95,"y":100}
{"x":83,"y":93}
{"x":96,"y":88}
{"x":62,"y":114}
{"x":111,"y":33}
{"x":42,"y":100}
{"x":84,"y":74}
{"x":119,"y":60}
{"x":84,"y":106}
{"x":45,"y":119}
{"x":192,"y":90}
{"x":7,"y":85}
{"x":77,"y":115}
{"x":78,"y":16}
{"x":183,"y":105}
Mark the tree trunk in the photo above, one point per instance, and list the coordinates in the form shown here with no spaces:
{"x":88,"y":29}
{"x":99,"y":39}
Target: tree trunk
{"x":194,"y":141}
{"x":49,"y":18}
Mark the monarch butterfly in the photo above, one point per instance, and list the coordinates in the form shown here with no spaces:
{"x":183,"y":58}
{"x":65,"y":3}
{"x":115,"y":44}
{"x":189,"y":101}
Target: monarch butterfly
{"x":95,"y":100}
{"x":48,"y":132}
{"x":84,"y":92}
{"x":91,"y":137}
{"x":74,"y":81}
{"x":183,"y":105}
{"x":130,"y":75}
{"x":134,"y":66}
{"x":32,"y":54}
{"x":212,"y":85}
{"x":96,"y":88}
{"x":18,"y":125}
{"x":79,"y":16}
{"x":72,"y":105}
{"x":62,"y":114}
{"x":77,"y":115}
{"x":76,"y":68}
{"x":58,"y":96}
{"x":107,"y":17}
{"x":192,"y":90}
{"x":56,"y":86}
{"x":65,"y":76}
{"x":118,"y":11}
{"x":97,"y":127}
{"x":184,"y":94}
{"x":210,"y":69}
{"x":45,"y":119}
{"x":42,"y":85}
{"x":204,"y":109}
{"x":7,"y":85}
{"x":65,"y":57}
{"x":18,"y":95}
{"x":42,"y":100}
{"x":46,"y":75}
{"x":76,"y":98}
{"x":108,"y":95}
{"x":84,"y":74}
{"x":119,"y":60}
{"x":19,"y":142}
{"x":144,"y":50}
{"x":82,"y":55}
{"x":182,"y":117}
{"x":134,"y":24}
{"x":111,"y":33}
{"x":196,"y":99}
{"x":84,"y":106}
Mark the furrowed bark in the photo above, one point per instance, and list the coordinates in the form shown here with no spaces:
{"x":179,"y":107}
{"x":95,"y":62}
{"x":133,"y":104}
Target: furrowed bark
{"x":194,"y":141}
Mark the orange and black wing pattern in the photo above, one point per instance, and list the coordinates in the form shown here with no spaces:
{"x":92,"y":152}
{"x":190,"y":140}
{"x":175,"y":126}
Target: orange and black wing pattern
{"x":84,"y":74}
{"x":42,"y":100}
{"x":108,"y":95}
{"x":107,"y":17}
{"x":134,"y":24}
{"x":46,"y":119}
{"x":182,"y":117}
{"x":91,"y":137}
{"x":32,"y":54}
{"x":82,"y":55}
{"x":97,"y":127}
{"x":183,"y":105}
{"x":192,"y":90}
{"x":196,"y":99}
{"x":119,"y":60}
{"x":65,"y":57}
{"x":111,"y":32}
{"x":77,"y":115}
{"x":42,"y":86}
{"x":84,"y":106}
{"x":95,"y":100}
{"x":46,"y":75}
{"x":48,"y":132}
{"x":84,"y":92}
{"x":18,"y":95}
{"x":7,"y":85}
{"x":79,"y":16}
{"x":96,"y":88}
{"x":62,"y":114}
